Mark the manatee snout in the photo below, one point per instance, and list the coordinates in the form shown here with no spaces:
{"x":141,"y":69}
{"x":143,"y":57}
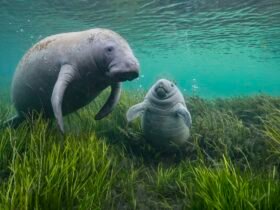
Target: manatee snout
{"x":161,"y":92}
{"x":130,"y":75}
{"x":127,"y":70}
{"x":161,"y":89}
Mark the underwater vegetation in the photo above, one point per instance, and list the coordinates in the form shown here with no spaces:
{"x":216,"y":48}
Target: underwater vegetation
{"x":231,"y":162}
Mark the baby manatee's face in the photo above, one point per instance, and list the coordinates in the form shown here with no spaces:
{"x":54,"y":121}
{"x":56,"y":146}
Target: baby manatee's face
{"x":164,"y":89}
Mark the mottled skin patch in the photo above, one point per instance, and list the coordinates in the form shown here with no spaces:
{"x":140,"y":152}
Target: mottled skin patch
{"x":39,"y":46}
{"x":91,"y":38}
{"x":42,"y":45}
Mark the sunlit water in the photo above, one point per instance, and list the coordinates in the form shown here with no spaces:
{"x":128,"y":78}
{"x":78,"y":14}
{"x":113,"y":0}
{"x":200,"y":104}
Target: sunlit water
{"x":212,"y":48}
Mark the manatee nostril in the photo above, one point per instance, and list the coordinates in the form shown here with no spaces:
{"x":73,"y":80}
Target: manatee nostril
{"x":127,"y":65}
{"x":135,"y":63}
{"x":132,"y":64}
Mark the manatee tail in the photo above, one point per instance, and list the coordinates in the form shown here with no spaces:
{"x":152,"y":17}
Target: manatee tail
{"x":13,"y":122}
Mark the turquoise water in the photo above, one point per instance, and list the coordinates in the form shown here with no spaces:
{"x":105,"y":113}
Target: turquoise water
{"x":212,"y":48}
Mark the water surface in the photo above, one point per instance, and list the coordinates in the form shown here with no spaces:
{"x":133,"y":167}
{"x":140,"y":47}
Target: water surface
{"x":223,"y":47}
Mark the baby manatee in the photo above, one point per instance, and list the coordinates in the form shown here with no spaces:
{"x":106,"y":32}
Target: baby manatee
{"x":165,"y":119}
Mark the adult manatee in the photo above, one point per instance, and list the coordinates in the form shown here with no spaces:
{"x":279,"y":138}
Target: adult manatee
{"x":165,"y":120}
{"x":64,"y":72}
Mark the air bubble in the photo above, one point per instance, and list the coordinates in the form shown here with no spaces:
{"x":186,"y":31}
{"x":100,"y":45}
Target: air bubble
{"x":194,"y":87}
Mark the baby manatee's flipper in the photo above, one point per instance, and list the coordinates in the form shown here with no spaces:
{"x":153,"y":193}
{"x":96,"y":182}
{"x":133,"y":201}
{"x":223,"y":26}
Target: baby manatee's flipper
{"x":111,"y":101}
{"x":66,"y":75}
{"x":13,"y":122}
{"x":183,"y":112}
{"x":135,"y":111}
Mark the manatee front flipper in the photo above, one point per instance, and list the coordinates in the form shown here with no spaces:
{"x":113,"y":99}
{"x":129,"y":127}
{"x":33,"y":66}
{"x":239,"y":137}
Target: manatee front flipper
{"x":135,"y":111}
{"x":111,"y":101}
{"x":14,"y":122}
{"x":66,"y":75}
{"x":183,"y":112}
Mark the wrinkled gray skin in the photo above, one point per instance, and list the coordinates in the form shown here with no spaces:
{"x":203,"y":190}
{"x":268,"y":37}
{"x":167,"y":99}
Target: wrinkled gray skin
{"x":65,"y":72}
{"x":165,"y":120}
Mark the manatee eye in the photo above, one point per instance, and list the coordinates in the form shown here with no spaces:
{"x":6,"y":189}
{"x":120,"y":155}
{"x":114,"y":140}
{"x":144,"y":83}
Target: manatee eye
{"x":109,"y":49}
{"x":173,"y":83}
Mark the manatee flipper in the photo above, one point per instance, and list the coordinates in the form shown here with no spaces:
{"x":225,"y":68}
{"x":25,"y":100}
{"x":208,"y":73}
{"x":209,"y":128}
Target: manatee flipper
{"x":13,"y":122}
{"x":183,"y":112}
{"x":111,"y":101}
{"x":135,"y":111}
{"x":66,"y":75}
